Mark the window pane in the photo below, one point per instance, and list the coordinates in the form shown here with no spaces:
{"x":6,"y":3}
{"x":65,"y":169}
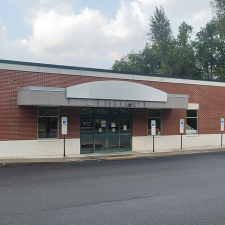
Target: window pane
{"x":154,"y":112}
{"x":47,"y":127}
{"x":191,"y":113}
{"x":100,"y":126}
{"x":87,"y":126}
{"x":42,"y":127}
{"x":125,"y":111}
{"x":102,"y":111}
{"x":53,"y":121}
{"x":47,"y":111}
{"x":86,"y":110}
{"x":125,"y":126}
{"x":86,"y":143}
{"x":191,"y":126}
{"x":113,"y":142}
{"x":125,"y":142}
{"x":158,"y":125}
{"x":100,"y":143}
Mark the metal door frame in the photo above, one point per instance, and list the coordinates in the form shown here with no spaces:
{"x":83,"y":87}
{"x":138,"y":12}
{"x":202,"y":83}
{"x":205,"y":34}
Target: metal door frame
{"x":107,"y":117}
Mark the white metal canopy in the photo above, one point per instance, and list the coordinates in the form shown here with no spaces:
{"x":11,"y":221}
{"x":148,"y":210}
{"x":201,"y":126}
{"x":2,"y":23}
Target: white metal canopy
{"x":116,"y":90}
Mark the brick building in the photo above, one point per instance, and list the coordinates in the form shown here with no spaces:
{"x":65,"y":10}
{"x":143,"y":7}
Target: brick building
{"x":106,"y":111}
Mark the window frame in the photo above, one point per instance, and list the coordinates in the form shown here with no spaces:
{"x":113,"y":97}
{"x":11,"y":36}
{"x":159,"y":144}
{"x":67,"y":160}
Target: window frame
{"x":191,"y":117}
{"x":155,"y":118}
{"x":49,"y":116}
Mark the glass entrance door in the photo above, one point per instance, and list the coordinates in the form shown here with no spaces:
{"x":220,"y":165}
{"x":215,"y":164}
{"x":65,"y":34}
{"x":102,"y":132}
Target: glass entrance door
{"x":125,"y":135}
{"x":113,"y":135}
{"x":106,"y":130}
{"x":100,"y":135}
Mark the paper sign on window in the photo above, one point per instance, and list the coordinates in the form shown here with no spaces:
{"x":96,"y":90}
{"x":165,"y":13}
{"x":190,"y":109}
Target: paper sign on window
{"x":103,"y":123}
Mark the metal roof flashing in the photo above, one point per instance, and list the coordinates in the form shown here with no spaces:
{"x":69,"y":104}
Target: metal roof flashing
{"x":84,"y":71}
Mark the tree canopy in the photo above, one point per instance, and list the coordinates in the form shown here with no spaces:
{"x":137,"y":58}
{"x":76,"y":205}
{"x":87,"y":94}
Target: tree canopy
{"x":181,"y":55}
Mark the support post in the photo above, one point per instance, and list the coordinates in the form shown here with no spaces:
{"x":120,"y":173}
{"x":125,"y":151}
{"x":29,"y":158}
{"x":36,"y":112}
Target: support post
{"x":64,"y":145}
{"x":181,"y":141}
{"x":153,"y":143}
{"x":221,"y":139}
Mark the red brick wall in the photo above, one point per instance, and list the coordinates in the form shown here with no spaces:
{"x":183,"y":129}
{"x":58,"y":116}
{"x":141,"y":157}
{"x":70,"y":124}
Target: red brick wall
{"x":171,"y":121}
{"x":20,"y":123}
{"x":73,"y":121}
{"x":140,"y":122}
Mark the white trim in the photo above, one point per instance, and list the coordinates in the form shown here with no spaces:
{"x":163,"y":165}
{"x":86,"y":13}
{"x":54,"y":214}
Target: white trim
{"x":6,"y":66}
{"x":193,"y":106}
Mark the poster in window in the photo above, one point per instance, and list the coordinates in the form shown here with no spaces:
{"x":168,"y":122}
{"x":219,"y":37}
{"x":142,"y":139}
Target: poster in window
{"x":124,"y":127}
{"x":113,"y":125}
{"x":103,"y":123}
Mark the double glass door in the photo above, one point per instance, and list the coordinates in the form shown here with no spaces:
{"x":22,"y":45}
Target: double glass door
{"x":105,"y":135}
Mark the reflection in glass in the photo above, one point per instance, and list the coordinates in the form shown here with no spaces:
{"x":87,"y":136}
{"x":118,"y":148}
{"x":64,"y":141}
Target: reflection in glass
{"x":124,"y":126}
{"x":113,"y":142}
{"x":191,"y":126}
{"x":47,"y":127}
{"x":154,"y":112}
{"x":86,"y":143}
{"x":47,"y":111}
{"x":125,"y":111}
{"x":158,"y":125}
{"x":87,"y":126}
{"x":86,"y":110}
{"x":100,"y":143}
{"x":100,"y":126}
{"x":113,"y":126}
{"x":108,"y":111}
{"x":191,"y":113}
{"x":125,"y":142}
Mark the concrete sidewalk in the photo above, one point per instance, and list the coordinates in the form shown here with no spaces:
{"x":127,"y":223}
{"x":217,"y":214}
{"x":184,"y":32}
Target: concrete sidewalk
{"x":108,"y":156}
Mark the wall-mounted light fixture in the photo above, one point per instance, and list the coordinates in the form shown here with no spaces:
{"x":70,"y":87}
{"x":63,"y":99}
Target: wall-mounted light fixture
{"x":11,"y":81}
{"x":139,"y":113}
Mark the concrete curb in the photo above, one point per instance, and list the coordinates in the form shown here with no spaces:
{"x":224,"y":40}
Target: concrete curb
{"x":108,"y":157}
{"x":120,"y":158}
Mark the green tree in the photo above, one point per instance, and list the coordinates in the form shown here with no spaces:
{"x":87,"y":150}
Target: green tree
{"x":160,"y":36}
{"x":206,"y":50}
{"x":144,"y":61}
{"x":218,"y":7}
{"x":184,"y":54}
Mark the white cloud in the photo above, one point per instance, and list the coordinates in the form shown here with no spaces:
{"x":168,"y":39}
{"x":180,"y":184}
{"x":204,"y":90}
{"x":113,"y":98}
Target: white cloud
{"x":89,"y":38}
{"x":199,"y":16}
{"x":89,"y":35}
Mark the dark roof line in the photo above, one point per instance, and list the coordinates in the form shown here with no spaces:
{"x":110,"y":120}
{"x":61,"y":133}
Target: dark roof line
{"x":99,"y":70}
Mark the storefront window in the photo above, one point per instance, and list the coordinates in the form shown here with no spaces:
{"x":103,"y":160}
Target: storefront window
{"x":154,"y":114}
{"x":192,"y":122}
{"x":47,"y":122}
{"x":86,"y":111}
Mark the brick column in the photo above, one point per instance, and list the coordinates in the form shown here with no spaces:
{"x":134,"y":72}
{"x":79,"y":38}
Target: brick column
{"x":171,"y":121}
{"x":140,"y":122}
{"x":73,"y":120}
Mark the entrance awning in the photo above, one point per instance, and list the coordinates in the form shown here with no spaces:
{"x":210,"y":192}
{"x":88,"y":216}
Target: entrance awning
{"x":102,"y":94}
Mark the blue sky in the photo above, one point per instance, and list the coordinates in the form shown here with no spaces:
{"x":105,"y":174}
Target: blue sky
{"x":86,"y":33}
